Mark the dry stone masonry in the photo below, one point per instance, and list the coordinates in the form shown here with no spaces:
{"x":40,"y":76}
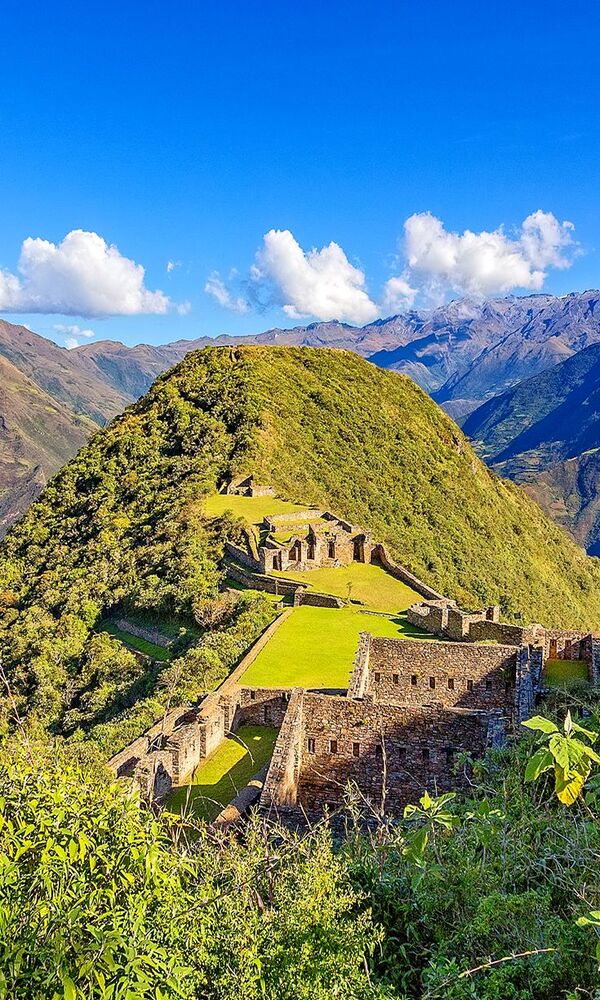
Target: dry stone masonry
{"x":411,"y":708}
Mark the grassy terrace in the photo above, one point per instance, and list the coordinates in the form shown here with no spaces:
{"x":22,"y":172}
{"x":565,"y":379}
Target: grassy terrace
{"x":218,"y":779}
{"x":315,"y":647}
{"x":364,"y":582}
{"x":254,"y":509}
{"x":134,"y":642}
{"x":558,"y":673}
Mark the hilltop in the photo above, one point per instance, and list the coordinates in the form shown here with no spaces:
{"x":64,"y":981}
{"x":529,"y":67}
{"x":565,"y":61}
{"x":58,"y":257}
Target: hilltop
{"x":124,"y":524}
{"x":461,"y":353}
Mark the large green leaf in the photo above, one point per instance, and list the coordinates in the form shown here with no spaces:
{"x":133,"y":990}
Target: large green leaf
{"x":541,"y":761}
{"x":538,"y":722}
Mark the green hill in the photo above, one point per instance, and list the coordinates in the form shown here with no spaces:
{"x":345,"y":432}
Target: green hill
{"x":123,"y":524}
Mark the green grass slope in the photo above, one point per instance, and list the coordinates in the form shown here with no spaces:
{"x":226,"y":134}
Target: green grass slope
{"x":123,"y":525}
{"x":333,"y":430}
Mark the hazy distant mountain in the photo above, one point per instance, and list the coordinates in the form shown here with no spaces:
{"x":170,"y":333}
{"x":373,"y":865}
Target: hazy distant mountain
{"x":37,"y":436}
{"x":461,"y":353}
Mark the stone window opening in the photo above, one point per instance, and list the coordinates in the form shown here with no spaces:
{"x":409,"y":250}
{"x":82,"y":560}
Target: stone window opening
{"x":312,"y":553}
{"x":488,"y":685}
{"x":331,"y":550}
{"x":449,"y":756}
{"x":333,"y":746}
{"x":401,"y":753}
{"x":451,"y":683}
{"x":295,"y":552}
{"x":378,"y":750}
{"x":469,"y":685}
{"x":432,"y":683}
{"x":396,"y":678}
{"x":377,"y":676}
{"x":425,"y":755}
{"x":266,"y":714}
{"x":253,"y":696}
{"x":413,"y":680}
{"x":310,"y":744}
{"x":356,"y":749}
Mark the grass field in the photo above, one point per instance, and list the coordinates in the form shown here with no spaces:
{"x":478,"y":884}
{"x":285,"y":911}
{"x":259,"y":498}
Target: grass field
{"x":560,"y":672}
{"x":254,"y":509}
{"x":364,"y":582}
{"x":315,"y":647}
{"x":134,"y":642}
{"x":218,"y":779}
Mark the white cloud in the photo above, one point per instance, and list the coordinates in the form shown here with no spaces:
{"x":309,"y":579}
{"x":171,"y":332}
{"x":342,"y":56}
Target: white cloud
{"x":485,"y":263}
{"x":320,"y":283}
{"x":172,"y":265}
{"x":82,"y":276}
{"x":398,"y":296}
{"x":73,"y":334}
{"x":216,"y":287}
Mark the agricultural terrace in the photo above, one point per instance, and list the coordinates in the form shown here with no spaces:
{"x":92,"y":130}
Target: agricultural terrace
{"x":315,"y":647}
{"x":219,"y":778}
{"x":364,"y":582}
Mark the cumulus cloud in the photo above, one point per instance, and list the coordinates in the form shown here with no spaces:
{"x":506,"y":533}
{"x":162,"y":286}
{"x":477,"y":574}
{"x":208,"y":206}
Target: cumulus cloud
{"x":216,"y":287}
{"x":398,"y":296}
{"x":435,"y":264}
{"x":485,"y":263}
{"x":320,"y":283}
{"x":81,"y":276}
{"x":73,"y":334}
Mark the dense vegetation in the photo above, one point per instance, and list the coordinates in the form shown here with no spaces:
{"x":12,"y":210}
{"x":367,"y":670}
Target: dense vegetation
{"x":470,"y":899}
{"x":122,"y":526}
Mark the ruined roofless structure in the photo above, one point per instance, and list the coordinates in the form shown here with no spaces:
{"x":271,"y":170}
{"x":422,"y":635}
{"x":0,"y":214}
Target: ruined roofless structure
{"x":411,"y":706}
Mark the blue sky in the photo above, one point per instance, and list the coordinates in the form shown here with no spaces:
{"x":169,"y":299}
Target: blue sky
{"x":185,"y":132}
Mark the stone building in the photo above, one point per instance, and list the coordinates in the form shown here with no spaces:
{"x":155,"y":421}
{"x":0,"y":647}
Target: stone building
{"x":411,"y":707}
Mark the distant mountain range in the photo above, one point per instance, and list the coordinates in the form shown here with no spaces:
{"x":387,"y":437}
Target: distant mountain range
{"x":462,"y":354}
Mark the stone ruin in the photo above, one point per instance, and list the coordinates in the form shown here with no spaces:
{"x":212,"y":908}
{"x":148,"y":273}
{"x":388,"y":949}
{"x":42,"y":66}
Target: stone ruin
{"x":411,"y":707}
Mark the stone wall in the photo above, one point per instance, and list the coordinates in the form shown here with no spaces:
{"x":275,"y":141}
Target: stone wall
{"x":511,"y":635}
{"x":567,"y":644}
{"x":314,"y":598}
{"x":418,"y":672}
{"x":359,"y":679}
{"x":392,"y":753}
{"x":379,"y":554}
{"x":432,"y":616}
{"x":260,"y":581}
{"x":281,"y":785}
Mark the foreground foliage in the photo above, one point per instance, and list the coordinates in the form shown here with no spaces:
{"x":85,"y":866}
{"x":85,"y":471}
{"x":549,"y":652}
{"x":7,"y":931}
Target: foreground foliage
{"x":495,"y":896}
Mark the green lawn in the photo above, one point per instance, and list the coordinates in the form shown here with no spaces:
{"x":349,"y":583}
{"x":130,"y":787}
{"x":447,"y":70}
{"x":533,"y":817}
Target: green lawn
{"x":315,"y":647}
{"x":254,"y":509}
{"x":218,"y":779}
{"x":134,"y":642}
{"x":368,"y":583}
{"x":560,"y":672}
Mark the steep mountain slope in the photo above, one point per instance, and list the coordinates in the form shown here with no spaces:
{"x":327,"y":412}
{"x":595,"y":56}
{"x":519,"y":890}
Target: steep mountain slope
{"x":69,"y":377}
{"x":545,"y":434}
{"x":550,"y":416}
{"x":124,"y":522}
{"x":37,"y":436}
